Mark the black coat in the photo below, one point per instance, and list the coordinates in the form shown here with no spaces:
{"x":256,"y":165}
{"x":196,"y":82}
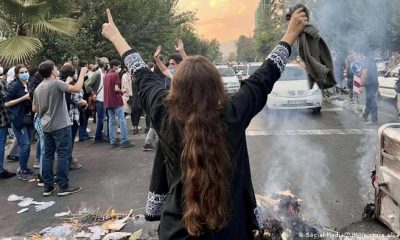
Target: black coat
{"x":165,"y":195}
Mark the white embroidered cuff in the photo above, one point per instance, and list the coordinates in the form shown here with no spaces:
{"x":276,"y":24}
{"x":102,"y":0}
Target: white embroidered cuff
{"x":134,"y":62}
{"x":279,"y":56}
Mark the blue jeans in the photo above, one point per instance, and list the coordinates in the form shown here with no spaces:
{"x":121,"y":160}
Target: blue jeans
{"x":3,"y":139}
{"x":371,"y":106}
{"x":24,"y":138}
{"x":119,"y":113}
{"x":83,"y":134}
{"x":40,"y":153}
{"x":58,"y":141}
{"x":100,"y":120}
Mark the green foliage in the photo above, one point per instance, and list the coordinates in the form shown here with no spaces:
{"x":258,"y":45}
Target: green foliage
{"x":144,"y":23}
{"x":22,"y":21}
{"x":245,"y":49}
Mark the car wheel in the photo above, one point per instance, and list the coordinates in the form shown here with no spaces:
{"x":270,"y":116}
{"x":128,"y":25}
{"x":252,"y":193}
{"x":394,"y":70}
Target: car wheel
{"x":316,"y":110}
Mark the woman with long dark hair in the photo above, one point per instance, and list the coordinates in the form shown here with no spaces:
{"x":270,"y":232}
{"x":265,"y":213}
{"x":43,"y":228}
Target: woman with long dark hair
{"x":19,"y":103}
{"x":202,"y":187}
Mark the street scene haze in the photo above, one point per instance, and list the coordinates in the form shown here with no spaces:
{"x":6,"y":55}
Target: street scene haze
{"x":200,"y":119}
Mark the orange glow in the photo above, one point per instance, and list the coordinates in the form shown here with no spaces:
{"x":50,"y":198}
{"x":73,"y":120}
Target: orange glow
{"x":224,"y":20}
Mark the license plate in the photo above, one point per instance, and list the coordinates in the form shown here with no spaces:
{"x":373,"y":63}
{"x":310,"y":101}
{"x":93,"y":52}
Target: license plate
{"x":297,"y":102}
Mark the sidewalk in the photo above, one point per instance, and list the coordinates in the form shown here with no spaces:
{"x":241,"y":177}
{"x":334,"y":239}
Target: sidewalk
{"x":111,"y":179}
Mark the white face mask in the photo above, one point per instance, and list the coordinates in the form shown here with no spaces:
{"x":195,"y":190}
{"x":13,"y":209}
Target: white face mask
{"x":118,"y":70}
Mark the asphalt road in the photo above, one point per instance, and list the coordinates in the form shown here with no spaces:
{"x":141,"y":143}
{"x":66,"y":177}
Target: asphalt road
{"x":324,"y":159}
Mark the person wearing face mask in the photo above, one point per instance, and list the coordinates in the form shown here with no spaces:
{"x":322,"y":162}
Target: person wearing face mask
{"x":18,"y":101}
{"x":114,"y":105}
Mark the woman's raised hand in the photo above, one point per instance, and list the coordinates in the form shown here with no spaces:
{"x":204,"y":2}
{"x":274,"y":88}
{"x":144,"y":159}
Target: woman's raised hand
{"x":297,"y":23}
{"x":110,"y":31}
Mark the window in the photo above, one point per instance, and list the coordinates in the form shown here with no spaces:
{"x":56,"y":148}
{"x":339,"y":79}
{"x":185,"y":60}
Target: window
{"x":293,"y":73}
{"x":226,"y":72}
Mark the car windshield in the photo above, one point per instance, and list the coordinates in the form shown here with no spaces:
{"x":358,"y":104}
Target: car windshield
{"x":238,"y":68}
{"x":293,"y":73}
{"x":253,"y":69}
{"x":226,"y":72}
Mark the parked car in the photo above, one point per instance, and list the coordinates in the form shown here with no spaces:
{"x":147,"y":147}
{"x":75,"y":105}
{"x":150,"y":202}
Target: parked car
{"x":381,"y":65}
{"x":239,"y":69}
{"x":292,"y":91}
{"x":231,"y":81}
{"x":387,"y":82}
{"x":250,"y":69}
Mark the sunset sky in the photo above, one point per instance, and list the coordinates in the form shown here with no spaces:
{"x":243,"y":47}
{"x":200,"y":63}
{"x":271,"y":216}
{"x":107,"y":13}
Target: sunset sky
{"x":224,"y":20}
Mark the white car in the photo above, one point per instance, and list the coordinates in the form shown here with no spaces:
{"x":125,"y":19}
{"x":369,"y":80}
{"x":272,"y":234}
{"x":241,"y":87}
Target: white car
{"x":231,"y":81}
{"x":251,"y":68}
{"x":387,"y":82}
{"x":292,"y":91}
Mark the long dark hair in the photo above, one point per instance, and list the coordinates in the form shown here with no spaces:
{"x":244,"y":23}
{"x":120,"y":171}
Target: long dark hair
{"x":196,"y":100}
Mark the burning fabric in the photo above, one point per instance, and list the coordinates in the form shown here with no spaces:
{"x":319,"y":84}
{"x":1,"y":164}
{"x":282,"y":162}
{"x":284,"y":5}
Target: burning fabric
{"x":284,"y":220}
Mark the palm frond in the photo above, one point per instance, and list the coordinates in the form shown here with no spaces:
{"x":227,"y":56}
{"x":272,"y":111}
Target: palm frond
{"x":11,"y":6}
{"x":18,"y":49}
{"x":5,"y":26}
{"x":66,"y":26}
{"x":36,"y":10}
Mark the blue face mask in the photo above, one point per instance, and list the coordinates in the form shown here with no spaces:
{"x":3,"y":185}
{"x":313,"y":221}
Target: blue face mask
{"x":23,"y":76}
{"x":171,"y":71}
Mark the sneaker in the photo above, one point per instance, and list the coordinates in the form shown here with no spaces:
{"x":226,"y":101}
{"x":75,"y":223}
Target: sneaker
{"x":103,"y":140}
{"x":68,"y":191}
{"x":48,"y":191}
{"x":40,"y":181}
{"x":88,"y":130}
{"x":24,"y":175}
{"x":6,"y":174}
{"x":148,"y":147}
{"x":127,"y":144}
{"x":74,"y":166}
{"x":115,"y":145}
{"x":135,"y":131}
{"x":36,"y":165}
{"x":119,"y":130}
{"x":12,"y":158}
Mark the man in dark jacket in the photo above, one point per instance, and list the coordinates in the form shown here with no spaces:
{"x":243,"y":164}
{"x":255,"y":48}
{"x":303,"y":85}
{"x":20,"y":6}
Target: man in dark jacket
{"x":369,"y":79}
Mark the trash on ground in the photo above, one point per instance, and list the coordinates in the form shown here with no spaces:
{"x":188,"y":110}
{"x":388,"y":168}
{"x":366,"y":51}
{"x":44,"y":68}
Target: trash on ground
{"x":14,"y":198}
{"x":63,"y":231}
{"x":23,"y":210}
{"x":44,"y":205}
{"x":63,"y":214}
{"x":116,"y":225}
{"x":117,"y":235}
{"x":97,"y":232}
{"x":82,"y":234}
{"x":25,"y":202}
{"x":136,"y":235}
{"x":93,"y":225}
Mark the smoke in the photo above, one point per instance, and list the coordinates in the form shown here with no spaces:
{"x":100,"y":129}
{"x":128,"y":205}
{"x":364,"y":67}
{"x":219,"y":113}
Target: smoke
{"x":365,"y":164}
{"x":300,"y":167}
{"x":348,"y":25}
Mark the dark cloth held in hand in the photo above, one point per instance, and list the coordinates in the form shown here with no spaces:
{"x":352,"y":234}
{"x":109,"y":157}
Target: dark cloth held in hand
{"x":315,"y":53}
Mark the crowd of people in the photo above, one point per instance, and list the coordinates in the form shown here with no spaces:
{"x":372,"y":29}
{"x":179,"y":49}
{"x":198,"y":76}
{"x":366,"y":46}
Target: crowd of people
{"x":52,"y":106}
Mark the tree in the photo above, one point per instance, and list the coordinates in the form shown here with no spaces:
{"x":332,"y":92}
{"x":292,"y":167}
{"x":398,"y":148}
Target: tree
{"x":22,"y":21}
{"x":245,"y":49}
{"x":232,"y":57}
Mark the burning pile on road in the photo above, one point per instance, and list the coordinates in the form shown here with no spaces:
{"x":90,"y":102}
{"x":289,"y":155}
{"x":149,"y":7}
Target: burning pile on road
{"x":283,"y":219}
